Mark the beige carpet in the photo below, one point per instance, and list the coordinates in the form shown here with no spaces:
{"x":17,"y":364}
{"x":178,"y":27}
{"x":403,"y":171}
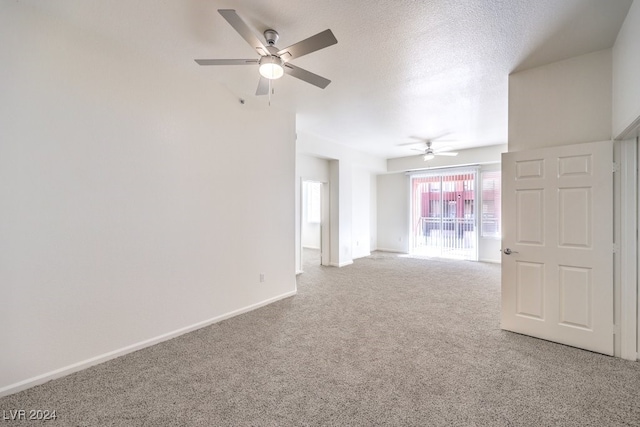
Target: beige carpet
{"x":386,"y":341}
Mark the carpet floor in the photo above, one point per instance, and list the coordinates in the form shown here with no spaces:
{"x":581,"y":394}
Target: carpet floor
{"x":389,"y":340}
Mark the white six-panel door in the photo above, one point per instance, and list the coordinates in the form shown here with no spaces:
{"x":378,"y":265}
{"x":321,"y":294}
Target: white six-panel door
{"x":557,"y":262}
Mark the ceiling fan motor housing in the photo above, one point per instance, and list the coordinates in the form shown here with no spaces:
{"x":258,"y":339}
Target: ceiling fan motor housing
{"x":271,"y":36}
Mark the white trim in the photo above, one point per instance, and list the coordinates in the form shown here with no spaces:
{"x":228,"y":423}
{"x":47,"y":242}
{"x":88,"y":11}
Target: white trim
{"x":325,"y":225}
{"x":637,"y":252}
{"x":391,"y":251}
{"x":341,"y":264}
{"x":299,"y":225}
{"x":628,"y":250}
{"x":75,"y":367}
{"x":630,"y":131}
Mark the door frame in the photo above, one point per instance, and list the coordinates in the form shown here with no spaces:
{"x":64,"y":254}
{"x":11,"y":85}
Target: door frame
{"x":626,"y":295}
{"x":627,"y":145}
{"x":324,"y":222}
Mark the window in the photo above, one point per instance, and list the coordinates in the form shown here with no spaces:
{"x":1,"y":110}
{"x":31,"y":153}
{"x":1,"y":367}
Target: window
{"x":313,"y":202}
{"x":491,"y":189}
{"x":444,"y":213}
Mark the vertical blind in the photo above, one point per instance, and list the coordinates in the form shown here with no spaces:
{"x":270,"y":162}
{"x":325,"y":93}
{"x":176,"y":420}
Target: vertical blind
{"x":491,"y":201}
{"x":443,"y":213}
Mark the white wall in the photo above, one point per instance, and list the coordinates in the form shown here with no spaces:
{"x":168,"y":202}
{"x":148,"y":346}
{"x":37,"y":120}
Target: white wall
{"x":626,"y":68}
{"x":341,"y":207}
{"x":136,"y":203}
{"x":311,"y":168}
{"x":361,"y":213}
{"x":565,"y":102}
{"x":393,"y":212}
{"x":312,"y":145}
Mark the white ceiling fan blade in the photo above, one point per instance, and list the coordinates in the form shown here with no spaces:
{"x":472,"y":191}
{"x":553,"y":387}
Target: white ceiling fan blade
{"x":418,"y":149}
{"x":433,"y":138}
{"x":263,"y":87}
{"x":306,"y":76}
{"x":243,"y":29}
{"x":446,"y":153}
{"x":226,"y":61}
{"x":441,"y":149}
{"x":308,"y":45}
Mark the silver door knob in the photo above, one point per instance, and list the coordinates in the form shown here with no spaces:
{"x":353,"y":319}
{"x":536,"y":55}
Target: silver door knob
{"x":509,"y":251}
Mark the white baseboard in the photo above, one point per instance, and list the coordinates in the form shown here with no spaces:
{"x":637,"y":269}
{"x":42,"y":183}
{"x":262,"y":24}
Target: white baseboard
{"x":58,"y":373}
{"x":342,"y":264}
{"x":492,"y":261}
{"x":393,"y":251}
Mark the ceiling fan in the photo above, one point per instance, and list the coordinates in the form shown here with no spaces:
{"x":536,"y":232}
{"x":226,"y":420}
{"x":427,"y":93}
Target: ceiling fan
{"x":274,"y":62}
{"x":429,"y":153}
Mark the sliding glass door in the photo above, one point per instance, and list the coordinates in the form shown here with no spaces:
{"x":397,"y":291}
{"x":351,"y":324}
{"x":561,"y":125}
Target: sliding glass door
{"x":443,"y":213}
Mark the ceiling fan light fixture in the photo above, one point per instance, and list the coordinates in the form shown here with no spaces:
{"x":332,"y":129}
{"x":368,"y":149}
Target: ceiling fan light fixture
{"x":271,"y":67}
{"x":428,"y":156}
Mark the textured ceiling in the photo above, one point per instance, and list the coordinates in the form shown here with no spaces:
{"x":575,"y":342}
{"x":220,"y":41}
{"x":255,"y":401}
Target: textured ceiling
{"x":401,"y":69}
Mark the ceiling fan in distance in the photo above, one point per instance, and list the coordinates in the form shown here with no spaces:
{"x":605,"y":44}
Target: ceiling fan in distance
{"x":428,"y":153}
{"x":274,"y":62}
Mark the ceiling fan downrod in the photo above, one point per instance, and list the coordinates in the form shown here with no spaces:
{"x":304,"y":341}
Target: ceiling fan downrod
{"x":271,"y":36}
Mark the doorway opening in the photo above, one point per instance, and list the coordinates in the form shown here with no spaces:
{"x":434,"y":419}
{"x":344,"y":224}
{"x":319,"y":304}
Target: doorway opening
{"x":443,"y":213}
{"x":312,"y":224}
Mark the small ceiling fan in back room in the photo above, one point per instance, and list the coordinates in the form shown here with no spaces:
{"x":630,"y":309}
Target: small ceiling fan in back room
{"x":428,"y":153}
{"x":273,"y":62}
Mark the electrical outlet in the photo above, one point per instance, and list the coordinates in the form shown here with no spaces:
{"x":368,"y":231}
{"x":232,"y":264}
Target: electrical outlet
{"x":261,"y":277}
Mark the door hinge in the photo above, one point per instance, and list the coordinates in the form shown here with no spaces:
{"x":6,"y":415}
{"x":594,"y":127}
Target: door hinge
{"x":615,"y":248}
{"x":615,"y":167}
{"x":616,"y":329}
